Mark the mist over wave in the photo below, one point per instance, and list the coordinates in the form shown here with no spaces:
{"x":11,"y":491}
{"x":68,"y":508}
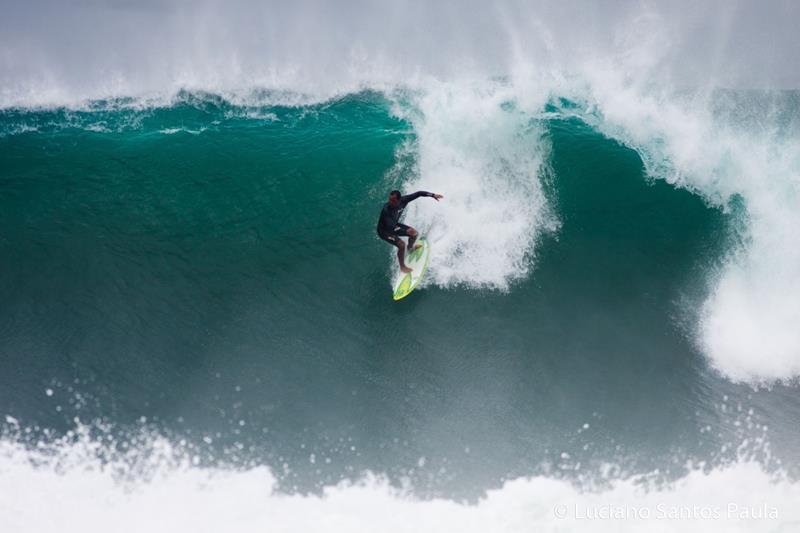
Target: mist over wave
{"x":63,"y":52}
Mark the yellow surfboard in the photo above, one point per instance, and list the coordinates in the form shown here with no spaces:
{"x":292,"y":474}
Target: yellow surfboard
{"x":417,"y":261}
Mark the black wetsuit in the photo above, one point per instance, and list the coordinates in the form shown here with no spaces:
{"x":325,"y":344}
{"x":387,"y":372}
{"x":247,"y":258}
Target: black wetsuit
{"x":389,"y":226}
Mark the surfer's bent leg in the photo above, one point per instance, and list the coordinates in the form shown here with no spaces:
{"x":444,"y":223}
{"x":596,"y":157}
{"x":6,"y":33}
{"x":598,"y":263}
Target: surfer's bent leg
{"x":395,"y":240}
{"x":412,"y":238}
{"x":401,"y":255}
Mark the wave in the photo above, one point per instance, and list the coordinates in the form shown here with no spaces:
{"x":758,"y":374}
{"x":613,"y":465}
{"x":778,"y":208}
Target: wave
{"x":485,"y":144}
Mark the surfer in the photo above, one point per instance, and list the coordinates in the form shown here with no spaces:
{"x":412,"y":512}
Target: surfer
{"x":390,"y":229}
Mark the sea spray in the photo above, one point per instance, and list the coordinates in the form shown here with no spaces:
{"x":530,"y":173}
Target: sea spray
{"x":490,"y":156}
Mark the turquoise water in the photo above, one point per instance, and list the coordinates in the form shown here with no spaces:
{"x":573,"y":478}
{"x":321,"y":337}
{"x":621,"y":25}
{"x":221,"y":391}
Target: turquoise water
{"x":210,"y":271}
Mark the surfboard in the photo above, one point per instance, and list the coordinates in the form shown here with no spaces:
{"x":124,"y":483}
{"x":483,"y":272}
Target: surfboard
{"x":417,"y":261}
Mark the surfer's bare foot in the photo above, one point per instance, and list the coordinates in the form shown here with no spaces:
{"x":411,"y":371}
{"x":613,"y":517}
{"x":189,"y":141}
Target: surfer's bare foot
{"x":417,"y":247}
{"x":405,"y":269}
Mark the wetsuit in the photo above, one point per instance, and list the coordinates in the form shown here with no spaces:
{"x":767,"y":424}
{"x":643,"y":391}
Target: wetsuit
{"x":389,"y":226}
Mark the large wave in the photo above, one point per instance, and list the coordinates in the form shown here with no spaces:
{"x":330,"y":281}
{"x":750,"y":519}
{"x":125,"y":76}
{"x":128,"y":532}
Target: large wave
{"x":484,"y":144}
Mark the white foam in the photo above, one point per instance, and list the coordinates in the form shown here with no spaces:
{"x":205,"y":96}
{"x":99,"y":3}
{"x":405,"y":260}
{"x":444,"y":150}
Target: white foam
{"x":156,"y":487}
{"x":486,"y":154}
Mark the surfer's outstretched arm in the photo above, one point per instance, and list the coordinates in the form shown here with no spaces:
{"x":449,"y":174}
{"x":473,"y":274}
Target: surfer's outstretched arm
{"x":413,"y":196}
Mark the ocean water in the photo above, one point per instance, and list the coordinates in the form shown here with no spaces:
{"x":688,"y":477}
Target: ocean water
{"x":197,"y":333}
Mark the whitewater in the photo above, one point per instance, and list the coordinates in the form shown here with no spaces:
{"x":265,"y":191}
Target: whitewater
{"x":607,"y":335}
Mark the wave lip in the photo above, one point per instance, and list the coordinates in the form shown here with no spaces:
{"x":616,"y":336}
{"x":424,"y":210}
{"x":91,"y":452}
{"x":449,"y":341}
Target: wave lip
{"x":733,"y":148}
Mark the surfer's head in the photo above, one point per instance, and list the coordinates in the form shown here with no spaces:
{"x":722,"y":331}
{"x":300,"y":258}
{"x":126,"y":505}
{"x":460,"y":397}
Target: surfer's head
{"x":394,"y":198}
